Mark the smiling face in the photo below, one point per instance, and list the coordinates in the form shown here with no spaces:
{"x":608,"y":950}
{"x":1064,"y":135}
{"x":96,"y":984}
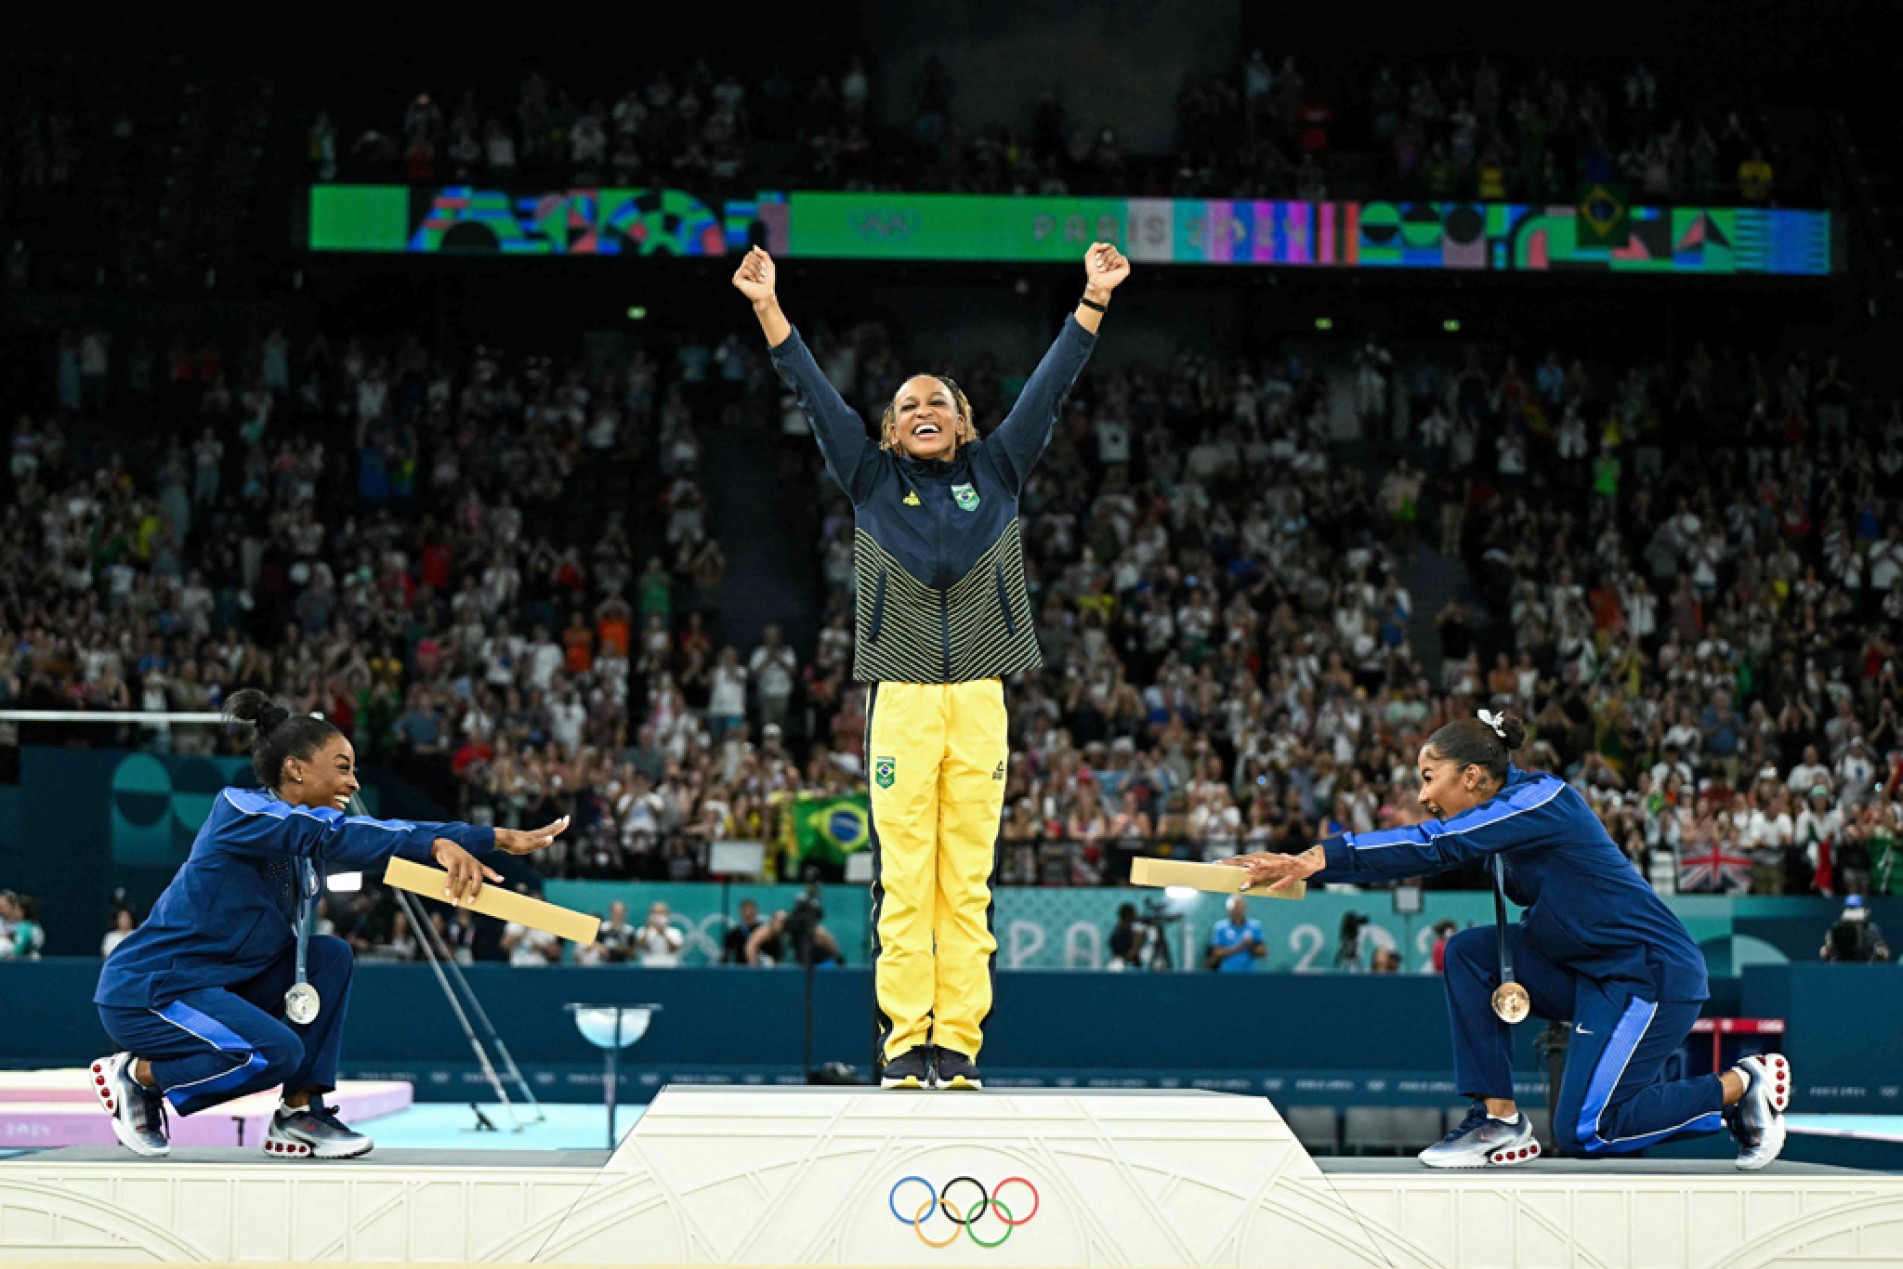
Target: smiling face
{"x":327,"y":778}
{"x":925,"y":419}
{"x":1448,"y":789}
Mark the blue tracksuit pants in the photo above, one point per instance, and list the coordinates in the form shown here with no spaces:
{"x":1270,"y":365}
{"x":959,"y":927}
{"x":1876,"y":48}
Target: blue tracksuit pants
{"x":1612,"y":1099}
{"x":212,"y":1045}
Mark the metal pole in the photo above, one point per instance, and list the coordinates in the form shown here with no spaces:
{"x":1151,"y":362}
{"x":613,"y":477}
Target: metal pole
{"x":613,"y":1055}
{"x":462,"y":1019}
{"x":509,"y":1068}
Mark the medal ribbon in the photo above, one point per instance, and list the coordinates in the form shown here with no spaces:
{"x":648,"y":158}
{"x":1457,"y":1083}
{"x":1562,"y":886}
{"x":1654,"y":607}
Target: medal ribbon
{"x":306,"y":912}
{"x":1500,"y":919}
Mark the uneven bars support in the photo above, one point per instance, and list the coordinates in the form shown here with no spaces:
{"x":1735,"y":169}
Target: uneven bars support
{"x":430,"y":936}
{"x":482,"y":1055}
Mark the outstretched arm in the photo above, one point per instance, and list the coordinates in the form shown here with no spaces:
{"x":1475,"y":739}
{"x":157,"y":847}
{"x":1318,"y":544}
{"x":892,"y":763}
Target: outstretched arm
{"x":1532,"y":814}
{"x":1021,"y":438}
{"x":840,"y":431}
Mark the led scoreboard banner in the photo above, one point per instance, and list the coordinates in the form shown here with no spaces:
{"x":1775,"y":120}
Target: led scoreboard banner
{"x":1466,"y":236}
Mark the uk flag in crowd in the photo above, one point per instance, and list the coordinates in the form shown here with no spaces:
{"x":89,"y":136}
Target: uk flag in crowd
{"x":1714,"y":867}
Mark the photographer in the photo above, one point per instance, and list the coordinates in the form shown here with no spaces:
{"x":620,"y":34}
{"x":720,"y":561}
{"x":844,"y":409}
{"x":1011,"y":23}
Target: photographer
{"x":1855,"y":939}
{"x":1235,"y":944}
{"x":1129,"y":938}
{"x":795,"y":936}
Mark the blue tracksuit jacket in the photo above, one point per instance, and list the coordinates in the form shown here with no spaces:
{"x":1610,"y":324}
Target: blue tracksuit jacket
{"x":231,"y":910}
{"x":1587,"y":908}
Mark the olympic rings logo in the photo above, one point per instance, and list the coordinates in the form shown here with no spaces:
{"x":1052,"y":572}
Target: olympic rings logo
{"x":937,"y":1201}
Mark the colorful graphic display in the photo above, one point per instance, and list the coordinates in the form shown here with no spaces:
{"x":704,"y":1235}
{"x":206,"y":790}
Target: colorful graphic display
{"x":461,"y":219}
{"x":1497,"y":237}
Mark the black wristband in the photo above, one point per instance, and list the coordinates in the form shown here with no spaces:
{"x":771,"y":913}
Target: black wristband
{"x":1087,"y":302}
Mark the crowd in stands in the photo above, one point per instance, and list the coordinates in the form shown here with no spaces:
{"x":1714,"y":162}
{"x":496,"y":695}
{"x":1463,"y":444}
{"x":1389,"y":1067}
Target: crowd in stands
{"x":1688,"y":579}
{"x":1473,"y":130}
{"x":1465,"y":129}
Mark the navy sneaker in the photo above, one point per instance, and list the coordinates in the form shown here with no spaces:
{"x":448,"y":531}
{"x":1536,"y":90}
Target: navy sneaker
{"x":313,"y":1132}
{"x":910,"y":1069}
{"x":1482,"y":1141}
{"x":952,"y":1069}
{"x":138,"y":1112}
{"x":1757,"y":1118}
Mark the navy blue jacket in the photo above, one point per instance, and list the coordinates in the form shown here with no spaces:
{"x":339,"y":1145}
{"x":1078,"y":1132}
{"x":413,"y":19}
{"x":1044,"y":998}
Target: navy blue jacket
{"x":230,"y":913}
{"x":1586,"y":905}
{"x":937,"y":553}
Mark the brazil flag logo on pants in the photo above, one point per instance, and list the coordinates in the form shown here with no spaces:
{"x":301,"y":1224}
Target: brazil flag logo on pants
{"x":884,"y":771}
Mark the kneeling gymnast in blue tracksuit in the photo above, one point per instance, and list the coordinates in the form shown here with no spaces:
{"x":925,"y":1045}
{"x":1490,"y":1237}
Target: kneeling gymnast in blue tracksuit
{"x":1596,"y":947}
{"x":212,"y":997}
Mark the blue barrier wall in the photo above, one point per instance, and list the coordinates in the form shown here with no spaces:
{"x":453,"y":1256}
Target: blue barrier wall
{"x":1322,"y":1038}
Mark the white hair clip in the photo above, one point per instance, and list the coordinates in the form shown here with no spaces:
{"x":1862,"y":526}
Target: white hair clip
{"x":1496,"y":721}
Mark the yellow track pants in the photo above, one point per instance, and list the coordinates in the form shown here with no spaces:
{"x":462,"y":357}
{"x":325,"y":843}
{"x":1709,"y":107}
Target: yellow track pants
{"x":935,"y":755}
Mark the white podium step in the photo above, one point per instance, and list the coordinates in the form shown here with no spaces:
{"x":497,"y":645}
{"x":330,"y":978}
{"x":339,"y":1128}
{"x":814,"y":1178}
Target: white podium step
{"x":843,"y":1177}
{"x":817,"y":1176}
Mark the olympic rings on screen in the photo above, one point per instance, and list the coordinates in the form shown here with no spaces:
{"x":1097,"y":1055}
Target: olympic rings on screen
{"x":939,"y":1201}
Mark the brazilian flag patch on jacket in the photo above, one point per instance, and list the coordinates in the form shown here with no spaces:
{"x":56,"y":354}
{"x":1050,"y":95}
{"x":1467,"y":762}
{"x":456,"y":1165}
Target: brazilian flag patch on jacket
{"x":966,"y":496}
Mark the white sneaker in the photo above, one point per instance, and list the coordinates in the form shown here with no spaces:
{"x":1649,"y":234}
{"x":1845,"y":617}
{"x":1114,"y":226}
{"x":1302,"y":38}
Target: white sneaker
{"x":1482,"y":1141}
{"x":1757,"y":1118}
{"x":138,"y":1112}
{"x":314,"y":1132}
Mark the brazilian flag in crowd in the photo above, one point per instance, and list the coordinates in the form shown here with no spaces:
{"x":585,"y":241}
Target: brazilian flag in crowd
{"x":1604,"y":218}
{"x":827,"y":829}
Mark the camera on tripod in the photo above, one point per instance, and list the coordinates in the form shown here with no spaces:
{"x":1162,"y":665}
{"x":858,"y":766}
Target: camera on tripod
{"x":1156,"y":913}
{"x":1348,"y":955}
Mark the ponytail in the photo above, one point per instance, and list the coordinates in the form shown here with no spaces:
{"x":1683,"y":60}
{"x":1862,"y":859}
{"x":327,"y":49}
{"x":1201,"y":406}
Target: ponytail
{"x":279,"y":734}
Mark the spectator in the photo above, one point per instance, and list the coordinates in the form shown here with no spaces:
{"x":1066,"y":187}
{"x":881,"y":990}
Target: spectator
{"x":615,"y":945}
{"x":767,"y":945}
{"x":773,"y":667}
{"x":526,"y":946}
{"x":1235,"y":944}
{"x":123,"y":923}
{"x":26,"y":937}
{"x":658,"y":944}
{"x":734,"y":945}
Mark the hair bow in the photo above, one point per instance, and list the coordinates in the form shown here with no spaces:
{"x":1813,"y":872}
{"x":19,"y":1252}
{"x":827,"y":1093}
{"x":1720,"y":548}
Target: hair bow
{"x":1496,"y":721}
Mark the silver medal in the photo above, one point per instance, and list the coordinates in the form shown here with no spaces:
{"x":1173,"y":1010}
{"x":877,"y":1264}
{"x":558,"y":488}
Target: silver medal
{"x":301,"y":1004}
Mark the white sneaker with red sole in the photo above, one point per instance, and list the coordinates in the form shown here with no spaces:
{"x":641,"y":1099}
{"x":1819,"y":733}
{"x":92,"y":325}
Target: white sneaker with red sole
{"x":138,"y":1112}
{"x":1482,"y":1141}
{"x":1757,"y":1119}
{"x":313,"y":1132}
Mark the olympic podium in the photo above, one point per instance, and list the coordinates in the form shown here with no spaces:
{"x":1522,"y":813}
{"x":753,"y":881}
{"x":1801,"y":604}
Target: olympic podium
{"x":722,"y":1176}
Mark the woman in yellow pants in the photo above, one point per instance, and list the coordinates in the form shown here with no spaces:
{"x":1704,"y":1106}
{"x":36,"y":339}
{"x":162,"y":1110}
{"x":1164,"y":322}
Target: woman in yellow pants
{"x":942,"y":618}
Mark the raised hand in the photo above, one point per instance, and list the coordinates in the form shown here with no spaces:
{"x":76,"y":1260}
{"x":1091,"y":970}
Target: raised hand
{"x":756,"y":276}
{"x":1104,"y":266}
{"x":526,"y":841}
